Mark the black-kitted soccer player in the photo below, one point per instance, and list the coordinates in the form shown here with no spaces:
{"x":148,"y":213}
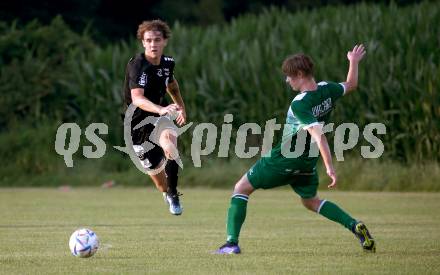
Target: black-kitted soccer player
{"x":149,"y":76}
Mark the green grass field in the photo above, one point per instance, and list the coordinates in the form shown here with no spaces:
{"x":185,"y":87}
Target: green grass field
{"x":138,"y":235}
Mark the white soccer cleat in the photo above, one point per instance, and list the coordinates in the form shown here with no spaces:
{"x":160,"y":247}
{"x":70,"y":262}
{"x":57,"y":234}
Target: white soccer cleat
{"x":174,"y":203}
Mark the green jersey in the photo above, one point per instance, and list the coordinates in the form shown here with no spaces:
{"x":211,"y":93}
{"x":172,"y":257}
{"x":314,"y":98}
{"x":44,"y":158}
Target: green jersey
{"x":307,"y":109}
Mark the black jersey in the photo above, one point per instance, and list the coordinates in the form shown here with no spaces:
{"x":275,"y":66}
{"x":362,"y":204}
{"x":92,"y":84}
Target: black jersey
{"x":153,"y":79}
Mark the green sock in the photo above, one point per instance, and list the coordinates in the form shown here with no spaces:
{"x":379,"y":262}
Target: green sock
{"x":236,"y":216}
{"x":333,"y":212}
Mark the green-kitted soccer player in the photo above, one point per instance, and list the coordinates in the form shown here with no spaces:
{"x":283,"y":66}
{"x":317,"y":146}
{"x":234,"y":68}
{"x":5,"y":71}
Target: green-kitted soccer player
{"x":308,"y":110}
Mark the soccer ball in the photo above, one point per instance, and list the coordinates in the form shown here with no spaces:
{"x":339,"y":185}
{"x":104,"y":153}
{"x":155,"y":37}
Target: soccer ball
{"x":83,"y":243}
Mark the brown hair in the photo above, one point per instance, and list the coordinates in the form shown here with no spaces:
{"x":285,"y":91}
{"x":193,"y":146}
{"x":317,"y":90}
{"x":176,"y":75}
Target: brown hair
{"x":153,"y":25}
{"x":294,"y":64}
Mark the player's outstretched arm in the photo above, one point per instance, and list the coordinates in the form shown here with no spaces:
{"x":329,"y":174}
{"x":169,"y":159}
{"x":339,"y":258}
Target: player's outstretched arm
{"x":324,"y":149}
{"x":140,"y":101}
{"x":174,"y":91}
{"x":354,"y":57}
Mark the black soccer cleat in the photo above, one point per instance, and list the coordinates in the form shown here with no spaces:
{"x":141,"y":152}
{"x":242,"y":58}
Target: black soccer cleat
{"x":367,"y":242}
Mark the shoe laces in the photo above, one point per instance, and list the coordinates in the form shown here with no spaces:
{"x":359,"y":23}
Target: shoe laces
{"x":175,"y":197}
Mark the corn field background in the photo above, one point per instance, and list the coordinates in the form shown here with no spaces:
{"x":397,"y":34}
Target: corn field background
{"x":50,"y":75}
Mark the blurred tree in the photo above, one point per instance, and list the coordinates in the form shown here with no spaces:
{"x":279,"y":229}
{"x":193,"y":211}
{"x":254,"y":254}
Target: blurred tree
{"x":116,"y":19}
{"x":77,"y":13}
{"x":210,"y":12}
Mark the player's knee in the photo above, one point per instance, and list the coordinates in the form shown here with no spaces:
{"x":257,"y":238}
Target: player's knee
{"x":243,"y":187}
{"x":170,"y":152}
{"x":168,"y":143}
{"x":311,"y":204}
{"x":169,"y":149}
{"x":168,"y":136}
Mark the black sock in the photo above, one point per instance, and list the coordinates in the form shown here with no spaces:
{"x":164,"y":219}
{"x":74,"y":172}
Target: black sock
{"x":171,"y":170}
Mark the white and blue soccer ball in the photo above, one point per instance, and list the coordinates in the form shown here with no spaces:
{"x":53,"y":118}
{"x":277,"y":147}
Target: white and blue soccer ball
{"x":83,"y":243}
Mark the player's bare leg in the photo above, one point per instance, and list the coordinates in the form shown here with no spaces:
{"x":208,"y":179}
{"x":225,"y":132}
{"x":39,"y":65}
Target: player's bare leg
{"x":159,"y":178}
{"x":168,"y":142}
{"x":333,"y":212}
{"x":312,"y":204}
{"x":243,"y":186}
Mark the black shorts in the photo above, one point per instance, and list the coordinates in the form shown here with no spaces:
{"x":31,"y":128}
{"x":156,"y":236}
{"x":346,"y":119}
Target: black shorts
{"x":150,"y":132}
{"x":150,"y":159}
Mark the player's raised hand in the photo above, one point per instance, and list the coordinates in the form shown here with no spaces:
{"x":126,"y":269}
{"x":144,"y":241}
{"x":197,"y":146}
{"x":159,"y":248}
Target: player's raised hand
{"x":170,"y":109}
{"x":357,"y":53}
{"x":331,"y":173}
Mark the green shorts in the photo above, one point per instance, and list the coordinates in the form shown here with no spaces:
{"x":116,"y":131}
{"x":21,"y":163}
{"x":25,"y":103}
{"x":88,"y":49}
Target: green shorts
{"x":304,"y":183}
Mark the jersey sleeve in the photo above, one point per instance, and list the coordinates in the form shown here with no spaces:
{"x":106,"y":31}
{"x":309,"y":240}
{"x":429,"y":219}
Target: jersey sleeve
{"x":136,"y":77}
{"x":304,"y":114}
{"x":337,"y":90}
{"x":171,"y":76}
